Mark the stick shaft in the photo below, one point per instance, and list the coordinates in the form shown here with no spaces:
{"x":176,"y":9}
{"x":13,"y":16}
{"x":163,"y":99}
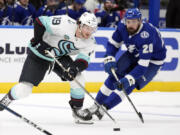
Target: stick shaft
{"x":138,"y":113}
{"x":25,"y":120}
{"x":61,"y":66}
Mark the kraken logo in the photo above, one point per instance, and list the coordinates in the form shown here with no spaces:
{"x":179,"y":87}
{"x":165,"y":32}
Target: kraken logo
{"x":65,"y":47}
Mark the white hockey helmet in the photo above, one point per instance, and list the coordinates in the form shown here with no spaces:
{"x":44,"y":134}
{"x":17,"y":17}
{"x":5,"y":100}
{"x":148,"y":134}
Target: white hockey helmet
{"x":88,"y":19}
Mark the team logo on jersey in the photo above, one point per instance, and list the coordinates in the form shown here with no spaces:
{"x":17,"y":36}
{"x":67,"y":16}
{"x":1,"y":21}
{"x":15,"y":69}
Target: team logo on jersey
{"x":131,"y":48}
{"x":66,"y":37}
{"x":144,"y":34}
{"x":65,"y":47}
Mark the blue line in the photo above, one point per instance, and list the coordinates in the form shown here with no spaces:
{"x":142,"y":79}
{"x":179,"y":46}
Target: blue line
{"x":170,"y":30}
{"x":15,"y":27}
{"x":122,"y":112}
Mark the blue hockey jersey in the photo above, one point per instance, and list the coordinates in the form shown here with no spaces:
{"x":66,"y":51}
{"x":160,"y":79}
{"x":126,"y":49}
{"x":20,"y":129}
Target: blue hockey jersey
{"x":107,"y":19}
{"x":6,"y":16}
{"x":146,"y":45}
{"x":43,"y":11}
{"x":28,"y":16}
{"x":72,"y":13}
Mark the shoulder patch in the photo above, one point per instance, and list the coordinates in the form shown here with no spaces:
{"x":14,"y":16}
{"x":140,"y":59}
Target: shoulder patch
{"x":144,"y":34}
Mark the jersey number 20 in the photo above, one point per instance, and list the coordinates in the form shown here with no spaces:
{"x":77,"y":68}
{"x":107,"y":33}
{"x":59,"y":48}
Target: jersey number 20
{"x":148,"y":48}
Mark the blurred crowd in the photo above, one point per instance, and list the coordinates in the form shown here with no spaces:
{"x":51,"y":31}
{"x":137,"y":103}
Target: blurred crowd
{"x":23,"y":12}
{"x":108,"y":12}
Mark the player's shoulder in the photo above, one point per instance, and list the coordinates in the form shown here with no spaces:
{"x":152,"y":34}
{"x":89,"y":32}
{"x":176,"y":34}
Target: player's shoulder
{"x":148,"y":33}
{"x":148,"y":27}
{"x":121,"y":26}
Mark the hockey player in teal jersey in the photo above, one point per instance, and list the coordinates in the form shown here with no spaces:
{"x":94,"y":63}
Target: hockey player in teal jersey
{"x":63,"y":37}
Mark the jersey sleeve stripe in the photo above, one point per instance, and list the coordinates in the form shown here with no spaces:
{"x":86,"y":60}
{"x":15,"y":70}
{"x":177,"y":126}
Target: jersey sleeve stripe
{"x":116,"y":44}
{"x":83,"y":61}
{"x":105,"y":90}
{"x":83,"y":57}
{"x":39,"y":22}
{"x":143,"y":62}
{"x":157,"y":62}
{"x":46,"y":21}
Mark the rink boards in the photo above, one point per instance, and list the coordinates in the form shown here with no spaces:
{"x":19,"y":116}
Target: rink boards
{"x":13,"y":51}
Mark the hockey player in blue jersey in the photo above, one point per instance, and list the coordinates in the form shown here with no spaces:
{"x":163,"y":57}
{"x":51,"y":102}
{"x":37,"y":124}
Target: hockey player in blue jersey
{"x":136,"y":67}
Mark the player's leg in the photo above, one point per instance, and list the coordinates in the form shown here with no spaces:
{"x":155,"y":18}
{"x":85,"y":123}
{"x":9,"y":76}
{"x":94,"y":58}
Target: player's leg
{"x":124,"y":65}
{"x":117,"y":96}
{"x":105,"y":95}
{"x":32,"y":74}
{"x":105,"y":91}
{"x":77,"y":99}
{"x":151,"y":72}
{"x":77,"y":93}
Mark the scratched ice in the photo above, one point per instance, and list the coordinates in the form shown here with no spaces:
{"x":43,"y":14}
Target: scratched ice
{"x":161,"y":112}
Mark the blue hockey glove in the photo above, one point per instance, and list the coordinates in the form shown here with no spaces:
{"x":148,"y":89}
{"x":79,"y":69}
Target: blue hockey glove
{"x":109,"y":62}
{"x":124,"y":83}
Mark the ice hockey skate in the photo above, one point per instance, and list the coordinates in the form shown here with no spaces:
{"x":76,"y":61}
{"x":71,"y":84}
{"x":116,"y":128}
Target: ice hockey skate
{"x":82,"y":116}
{"x":96,"y":110}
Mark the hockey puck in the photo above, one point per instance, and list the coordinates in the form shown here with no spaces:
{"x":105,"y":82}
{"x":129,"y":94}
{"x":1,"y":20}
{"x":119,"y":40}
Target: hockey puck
{"x":116,"y":129}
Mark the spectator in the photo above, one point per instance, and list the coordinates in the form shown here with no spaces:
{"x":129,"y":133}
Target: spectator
{"x":120,"y":6}
{"x":17,"y":12}
{"x":94,"y":5}
{"x":75,"y":10}
{"x":5,"y":13}
{"x":107,"y":17}
{"x":172,"y":14}
{"x":10,"y":2}
{"x":49,"y":9}
{"x":62,"y":4}
{"x":36,"y":3}
{"x":29,"y":12}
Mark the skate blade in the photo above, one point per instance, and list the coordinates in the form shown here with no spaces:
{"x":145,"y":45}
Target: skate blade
{"x":77,"y":121}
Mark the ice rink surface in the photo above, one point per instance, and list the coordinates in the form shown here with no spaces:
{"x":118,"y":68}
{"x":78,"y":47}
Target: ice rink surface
{"x":161,"y":112}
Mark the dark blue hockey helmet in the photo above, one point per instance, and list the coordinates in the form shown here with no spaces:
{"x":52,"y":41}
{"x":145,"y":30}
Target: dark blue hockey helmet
{"x":133,"y":13}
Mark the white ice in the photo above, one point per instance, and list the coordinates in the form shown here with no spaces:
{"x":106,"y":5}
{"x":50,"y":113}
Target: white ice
{"x":161,"y":112}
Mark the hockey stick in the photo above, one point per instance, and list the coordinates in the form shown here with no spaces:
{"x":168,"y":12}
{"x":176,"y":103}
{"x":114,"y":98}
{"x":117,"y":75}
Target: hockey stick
{"x":25,"y":120}
{"x":138,"y":113}
{"x":62,"y":67}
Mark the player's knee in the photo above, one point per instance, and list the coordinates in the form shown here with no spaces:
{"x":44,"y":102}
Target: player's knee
{"x":21,"y":90}
{"x":105,"y":90}
{"x":110,"y":82}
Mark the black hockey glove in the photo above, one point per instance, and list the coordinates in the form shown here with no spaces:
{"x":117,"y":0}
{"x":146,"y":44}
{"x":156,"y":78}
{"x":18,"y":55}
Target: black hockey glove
{"x":72,"y":73}
{"x":33,"y":42}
